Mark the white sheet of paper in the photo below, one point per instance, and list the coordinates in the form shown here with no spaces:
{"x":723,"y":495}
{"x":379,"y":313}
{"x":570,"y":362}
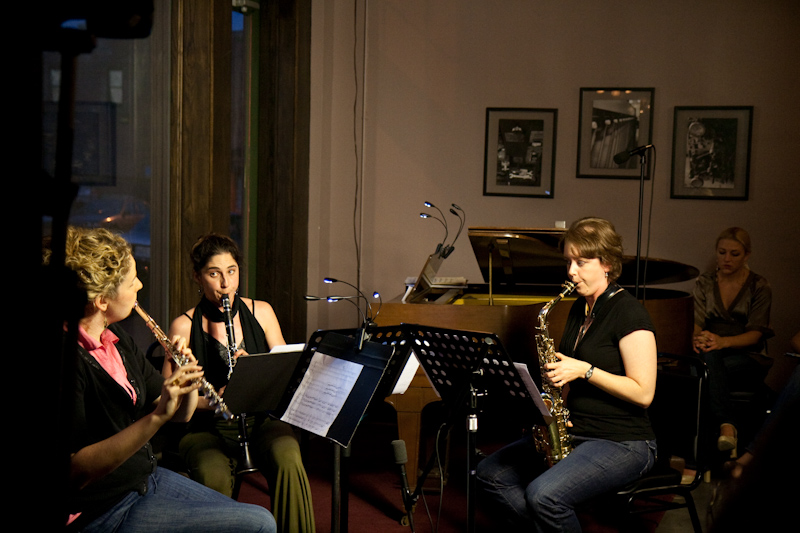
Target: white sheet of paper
{"x":533,"y":390}
{"x":287,"y":348}
{"x":325,"y":387}
{"x":406,"y":375}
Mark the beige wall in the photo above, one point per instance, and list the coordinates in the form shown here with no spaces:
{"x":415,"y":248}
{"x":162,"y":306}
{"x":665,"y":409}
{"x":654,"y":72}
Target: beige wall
{"x":432,"y":69}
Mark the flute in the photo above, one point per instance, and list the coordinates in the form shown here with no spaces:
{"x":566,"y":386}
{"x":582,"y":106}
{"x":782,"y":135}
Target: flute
{"x":207,"y":390}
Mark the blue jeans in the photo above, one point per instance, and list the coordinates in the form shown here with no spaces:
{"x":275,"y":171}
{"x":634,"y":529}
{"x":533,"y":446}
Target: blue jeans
{"x":529,"y":497}
{"x":174,"y":503}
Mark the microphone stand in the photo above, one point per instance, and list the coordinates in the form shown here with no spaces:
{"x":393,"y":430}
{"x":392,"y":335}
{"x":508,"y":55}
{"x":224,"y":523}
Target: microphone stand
{"x":643,"y":166}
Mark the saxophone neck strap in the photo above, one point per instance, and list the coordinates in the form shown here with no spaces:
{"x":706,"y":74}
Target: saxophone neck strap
{"x":613,"y":289}
{"x":591,"y":313}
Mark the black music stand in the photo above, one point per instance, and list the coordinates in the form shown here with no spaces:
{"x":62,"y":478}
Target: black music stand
{"x":373,"y":359}
{"x":462,"y":366}
{"x":256,"y":386}
{"x":259,"y":381}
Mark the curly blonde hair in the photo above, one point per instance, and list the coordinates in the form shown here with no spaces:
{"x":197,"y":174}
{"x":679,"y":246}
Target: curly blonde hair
{"x":100,"y":258}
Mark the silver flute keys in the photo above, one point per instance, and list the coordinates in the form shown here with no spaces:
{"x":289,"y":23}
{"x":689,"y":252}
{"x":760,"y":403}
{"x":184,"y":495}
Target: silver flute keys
{"x":206,"y":389}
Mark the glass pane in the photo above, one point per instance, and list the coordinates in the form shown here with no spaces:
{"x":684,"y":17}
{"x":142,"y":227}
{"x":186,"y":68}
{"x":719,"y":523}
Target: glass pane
{"x":241,"y":48}
{"x":120,"y":151}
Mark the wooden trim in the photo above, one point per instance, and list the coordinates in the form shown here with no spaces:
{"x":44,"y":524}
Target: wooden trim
{"x":200,"y":136}
{"x":282,"y":224}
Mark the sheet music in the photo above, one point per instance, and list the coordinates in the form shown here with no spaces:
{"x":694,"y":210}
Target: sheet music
{"x":412,"y":364}
{"x":285,"y":348}
{"x":321,"y":394}
{"x":533,"y":390}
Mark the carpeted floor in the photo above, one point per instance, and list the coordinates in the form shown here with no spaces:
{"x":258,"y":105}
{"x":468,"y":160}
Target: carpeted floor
{"x":373,"y":480}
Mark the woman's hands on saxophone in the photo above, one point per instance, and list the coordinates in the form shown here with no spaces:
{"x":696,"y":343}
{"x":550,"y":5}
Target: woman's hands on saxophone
{"x":566,"y":369}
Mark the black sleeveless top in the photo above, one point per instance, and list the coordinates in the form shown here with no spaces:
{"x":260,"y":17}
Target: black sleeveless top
{"x":213,"y":355}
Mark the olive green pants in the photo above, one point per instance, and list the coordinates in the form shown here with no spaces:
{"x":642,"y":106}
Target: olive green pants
{"x":211,"y":457}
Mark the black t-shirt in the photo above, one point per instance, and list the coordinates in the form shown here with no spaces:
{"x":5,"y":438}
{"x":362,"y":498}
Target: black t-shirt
{"x":593,"y":412}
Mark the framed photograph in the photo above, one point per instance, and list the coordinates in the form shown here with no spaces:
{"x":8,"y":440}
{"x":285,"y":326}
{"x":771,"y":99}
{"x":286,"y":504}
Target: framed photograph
{"x":711,"y":152}
{"x":94,"y":156}
{"x":520,"y":154}
{"x":612,"y":122}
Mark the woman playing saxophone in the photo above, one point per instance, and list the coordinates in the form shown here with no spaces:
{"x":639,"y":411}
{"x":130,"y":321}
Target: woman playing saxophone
{"x":607,"y":361}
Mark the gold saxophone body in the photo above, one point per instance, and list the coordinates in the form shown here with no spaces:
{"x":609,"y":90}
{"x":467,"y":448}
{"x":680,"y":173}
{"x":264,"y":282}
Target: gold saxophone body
{"x":552,"y":440}
{"x":206,"y":389}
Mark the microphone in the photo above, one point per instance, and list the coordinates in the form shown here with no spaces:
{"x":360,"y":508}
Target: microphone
{"x":401,"y":458}
{"x":623,"y":157}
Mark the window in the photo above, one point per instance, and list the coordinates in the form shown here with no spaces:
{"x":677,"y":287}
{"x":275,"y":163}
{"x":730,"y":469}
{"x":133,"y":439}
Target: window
{"x":121,"y":144}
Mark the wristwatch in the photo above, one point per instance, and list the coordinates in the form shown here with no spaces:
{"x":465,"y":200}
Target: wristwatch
{"x":589,"y":373}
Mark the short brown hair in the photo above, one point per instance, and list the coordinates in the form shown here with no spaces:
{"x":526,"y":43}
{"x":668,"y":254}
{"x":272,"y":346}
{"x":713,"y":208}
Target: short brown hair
{"x":594,"y":237}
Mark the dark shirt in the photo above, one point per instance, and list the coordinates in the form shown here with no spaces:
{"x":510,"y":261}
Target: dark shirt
{"x":213,"y":355}
{"x":749,"y":310}
{"x":102,"y":409}
{"x":593,"y":412}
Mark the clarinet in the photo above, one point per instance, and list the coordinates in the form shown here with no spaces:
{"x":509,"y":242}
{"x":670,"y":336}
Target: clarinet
{"x":226,"y":309}
{"x":207,"y":390}
{"x":245,"y":461}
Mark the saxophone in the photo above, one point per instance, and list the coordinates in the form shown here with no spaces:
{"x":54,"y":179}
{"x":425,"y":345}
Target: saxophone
{"x":552,"y":440}
{"x":206,"y":389}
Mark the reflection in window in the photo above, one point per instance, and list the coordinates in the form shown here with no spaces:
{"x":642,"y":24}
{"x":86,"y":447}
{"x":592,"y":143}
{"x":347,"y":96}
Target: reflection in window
{"x":119,"y":151}
{"x":242,"y":156}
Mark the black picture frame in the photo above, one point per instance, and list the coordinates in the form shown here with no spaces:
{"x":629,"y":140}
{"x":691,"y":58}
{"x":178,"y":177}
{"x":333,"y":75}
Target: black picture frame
{"x":611,"y":121}
{"x":711,"y":152}
{"x":520,"y":152}
{"x":94,"y":152}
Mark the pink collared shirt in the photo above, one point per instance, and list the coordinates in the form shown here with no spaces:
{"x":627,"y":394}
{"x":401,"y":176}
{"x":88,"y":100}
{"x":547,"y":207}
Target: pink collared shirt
{"x":105,"y":352}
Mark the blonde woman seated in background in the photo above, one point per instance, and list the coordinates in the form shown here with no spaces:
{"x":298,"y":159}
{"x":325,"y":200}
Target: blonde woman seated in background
{"x":731,"y":324}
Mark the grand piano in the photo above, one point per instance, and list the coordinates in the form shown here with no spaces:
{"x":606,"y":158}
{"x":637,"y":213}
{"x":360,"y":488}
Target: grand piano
{"x":523,"y":269}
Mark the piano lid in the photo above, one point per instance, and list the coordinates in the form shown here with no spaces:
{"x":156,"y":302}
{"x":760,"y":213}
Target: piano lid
{"x":532,"y":256}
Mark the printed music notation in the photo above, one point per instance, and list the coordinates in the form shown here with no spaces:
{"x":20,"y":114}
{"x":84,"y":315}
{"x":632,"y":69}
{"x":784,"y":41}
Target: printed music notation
{"x":533,"y":391}
{"x":321,"y":394}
